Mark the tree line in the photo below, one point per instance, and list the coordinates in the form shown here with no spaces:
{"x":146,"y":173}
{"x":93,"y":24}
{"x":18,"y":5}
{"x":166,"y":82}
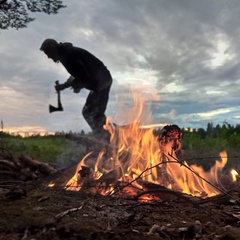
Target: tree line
{"x":224,"y":131}
{"x":220,"y":137}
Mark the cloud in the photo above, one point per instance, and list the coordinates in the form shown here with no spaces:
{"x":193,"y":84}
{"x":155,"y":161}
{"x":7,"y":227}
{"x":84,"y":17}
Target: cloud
{"x":182,"y":56}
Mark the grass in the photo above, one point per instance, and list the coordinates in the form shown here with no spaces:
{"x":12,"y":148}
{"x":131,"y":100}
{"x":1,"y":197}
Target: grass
{"x":50,"y":149}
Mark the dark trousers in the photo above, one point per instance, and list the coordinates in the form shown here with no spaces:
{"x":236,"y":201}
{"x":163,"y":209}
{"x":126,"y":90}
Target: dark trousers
{"x":96,"y":103}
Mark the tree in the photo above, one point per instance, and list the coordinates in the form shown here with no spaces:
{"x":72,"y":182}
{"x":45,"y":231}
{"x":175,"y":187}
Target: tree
{"x":202,"y":133}
{"x":82,"y":133}
{"x":15,"y":13}
{"x":210,"y":129}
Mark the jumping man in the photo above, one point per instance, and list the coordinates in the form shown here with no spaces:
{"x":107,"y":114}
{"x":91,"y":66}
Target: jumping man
{"x":86,"y":71}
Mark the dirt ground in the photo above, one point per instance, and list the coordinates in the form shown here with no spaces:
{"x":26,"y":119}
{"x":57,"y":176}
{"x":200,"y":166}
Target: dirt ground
{"x":32,"y":210}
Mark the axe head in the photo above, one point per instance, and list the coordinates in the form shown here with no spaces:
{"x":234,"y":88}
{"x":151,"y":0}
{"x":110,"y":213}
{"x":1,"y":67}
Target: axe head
{"x":55,"y":109}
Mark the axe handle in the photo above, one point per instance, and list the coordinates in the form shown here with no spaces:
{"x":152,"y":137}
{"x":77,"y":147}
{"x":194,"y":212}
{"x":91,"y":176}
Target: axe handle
{"x":59,"y":100}
{"x":59,"y":97}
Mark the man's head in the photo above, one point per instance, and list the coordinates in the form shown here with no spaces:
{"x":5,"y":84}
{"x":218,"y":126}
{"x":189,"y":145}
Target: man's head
{"x":50,"y":48}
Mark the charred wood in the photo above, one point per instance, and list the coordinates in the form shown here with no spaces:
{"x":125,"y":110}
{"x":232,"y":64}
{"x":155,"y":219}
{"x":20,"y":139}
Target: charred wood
{"x":163,"y":193}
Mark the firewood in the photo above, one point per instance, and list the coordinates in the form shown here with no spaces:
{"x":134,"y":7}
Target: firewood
{"x":8,"y":164}
{"x":34,"y":164}
{"x":161,"y":191}
{"x":11,"y":174}
{"x":27,"y":174}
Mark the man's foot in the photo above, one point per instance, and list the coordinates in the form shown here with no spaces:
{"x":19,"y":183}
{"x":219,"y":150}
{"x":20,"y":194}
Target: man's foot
{"x":103,"y":136}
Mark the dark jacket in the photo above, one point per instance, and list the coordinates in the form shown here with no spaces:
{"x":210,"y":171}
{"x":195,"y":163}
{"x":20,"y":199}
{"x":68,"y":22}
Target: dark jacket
{"x":82,"y":65}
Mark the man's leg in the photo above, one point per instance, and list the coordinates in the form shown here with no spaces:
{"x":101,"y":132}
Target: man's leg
{"x":94,"y":112}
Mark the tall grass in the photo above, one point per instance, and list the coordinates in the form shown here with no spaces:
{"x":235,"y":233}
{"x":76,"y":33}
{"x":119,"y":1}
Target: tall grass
{"x":51,"y":149}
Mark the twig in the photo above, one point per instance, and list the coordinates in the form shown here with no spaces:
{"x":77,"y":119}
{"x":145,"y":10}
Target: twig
{"x":62,"y":214}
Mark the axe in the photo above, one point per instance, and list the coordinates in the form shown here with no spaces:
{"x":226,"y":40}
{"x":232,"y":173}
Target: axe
{"x":59,"y":107}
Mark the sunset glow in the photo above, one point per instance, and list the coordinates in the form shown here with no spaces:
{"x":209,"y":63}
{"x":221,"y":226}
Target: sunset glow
{"x":26,"y":131}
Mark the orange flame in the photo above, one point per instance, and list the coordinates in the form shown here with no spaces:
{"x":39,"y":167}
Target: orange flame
{"x":72,"y":182}
{"x":234,"y":174}
{"x":134,"y":154}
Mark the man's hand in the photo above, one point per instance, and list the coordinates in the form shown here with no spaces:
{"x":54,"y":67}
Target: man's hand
{"x":77,"y":90}
{"x":60,"y":87}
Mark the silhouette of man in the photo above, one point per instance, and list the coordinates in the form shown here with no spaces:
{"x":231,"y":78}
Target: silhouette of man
{"x":88,"y":72}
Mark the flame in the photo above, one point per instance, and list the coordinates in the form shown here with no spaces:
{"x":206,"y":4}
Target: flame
{"x":72,"y":182}
{"x":234,"y":174}
{"x":51,"y":184}
{"x":153,"y":125}
{"x":135,"y":156}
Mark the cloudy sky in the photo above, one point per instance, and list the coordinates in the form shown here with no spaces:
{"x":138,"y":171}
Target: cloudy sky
{"x":172,"y":61}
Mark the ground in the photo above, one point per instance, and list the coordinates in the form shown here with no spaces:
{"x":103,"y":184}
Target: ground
{"x":32,"y":210}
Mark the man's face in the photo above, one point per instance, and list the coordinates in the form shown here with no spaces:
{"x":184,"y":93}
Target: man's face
{"x":51,"y":53}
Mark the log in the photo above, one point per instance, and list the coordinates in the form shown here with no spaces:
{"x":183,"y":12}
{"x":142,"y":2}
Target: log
{"x":35,"y":165}
{"x":163,"y":193}
{"x":8,"y":164}
{"x":9,"y":173}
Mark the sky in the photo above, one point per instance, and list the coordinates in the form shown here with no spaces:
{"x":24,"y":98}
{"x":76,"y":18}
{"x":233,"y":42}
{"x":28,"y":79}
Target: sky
{"x":172,"y":62}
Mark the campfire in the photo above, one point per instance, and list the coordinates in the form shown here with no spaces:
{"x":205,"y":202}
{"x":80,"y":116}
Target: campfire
{"x":141,"y":163}
{"x":137,"y":161}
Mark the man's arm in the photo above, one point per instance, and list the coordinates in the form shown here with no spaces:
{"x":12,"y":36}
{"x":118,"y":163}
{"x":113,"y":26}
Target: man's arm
{"x":71,"y":82}
{"x":67,"y":84}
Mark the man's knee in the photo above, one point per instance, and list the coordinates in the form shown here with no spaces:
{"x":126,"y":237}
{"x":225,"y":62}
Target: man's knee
{"x":84,"y":112}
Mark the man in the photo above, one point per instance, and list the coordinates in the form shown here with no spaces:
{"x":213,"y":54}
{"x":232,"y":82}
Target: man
{"x":88,"y":72}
